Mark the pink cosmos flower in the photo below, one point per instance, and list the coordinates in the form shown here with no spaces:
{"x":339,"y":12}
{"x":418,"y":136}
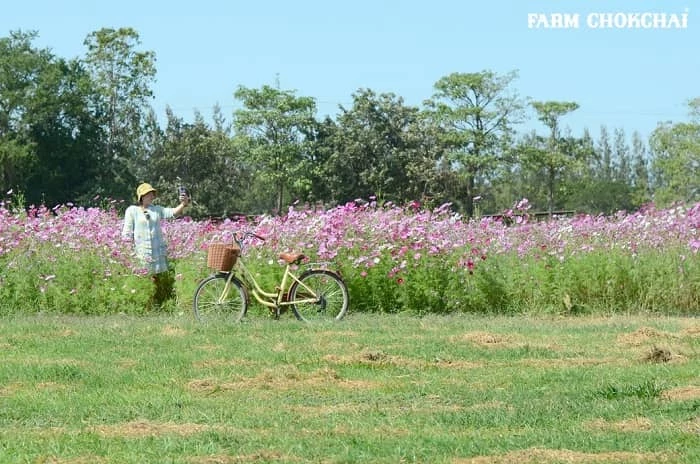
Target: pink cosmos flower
{"x":695,"y":245}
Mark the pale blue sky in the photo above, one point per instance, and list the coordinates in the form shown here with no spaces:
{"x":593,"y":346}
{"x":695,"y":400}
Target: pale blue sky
{"x":622,"y":78}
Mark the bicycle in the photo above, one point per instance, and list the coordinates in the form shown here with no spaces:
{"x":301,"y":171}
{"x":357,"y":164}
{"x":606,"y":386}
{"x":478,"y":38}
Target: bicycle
{"x":315,"y":294}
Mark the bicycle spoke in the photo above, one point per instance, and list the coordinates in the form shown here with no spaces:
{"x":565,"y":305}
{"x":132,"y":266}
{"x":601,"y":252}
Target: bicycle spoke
{"x":329,"y":294}
{"x":208,"y":304}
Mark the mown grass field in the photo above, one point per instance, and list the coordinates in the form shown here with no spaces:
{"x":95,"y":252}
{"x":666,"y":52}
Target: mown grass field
{"x":373,"y":388}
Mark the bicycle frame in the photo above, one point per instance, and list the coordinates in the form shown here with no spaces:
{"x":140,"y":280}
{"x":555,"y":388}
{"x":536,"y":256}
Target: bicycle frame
{"x":273,"y":300}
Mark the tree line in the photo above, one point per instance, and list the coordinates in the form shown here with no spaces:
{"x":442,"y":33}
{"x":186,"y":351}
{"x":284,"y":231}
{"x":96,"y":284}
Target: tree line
{"x":82,"y":130}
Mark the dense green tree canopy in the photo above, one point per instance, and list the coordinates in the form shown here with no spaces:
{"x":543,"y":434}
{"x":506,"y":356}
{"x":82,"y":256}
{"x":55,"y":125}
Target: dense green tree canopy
{"x":274,"y":127}
{"x":676,"y":164}
{"x":380,"y":149}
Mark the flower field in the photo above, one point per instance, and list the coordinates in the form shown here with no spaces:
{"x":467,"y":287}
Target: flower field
{"x":395,"y":259}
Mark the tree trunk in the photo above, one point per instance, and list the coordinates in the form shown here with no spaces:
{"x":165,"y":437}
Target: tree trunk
{"x":469,"y":204}
{"x":550,"y":192}
{"x":280,"y":195}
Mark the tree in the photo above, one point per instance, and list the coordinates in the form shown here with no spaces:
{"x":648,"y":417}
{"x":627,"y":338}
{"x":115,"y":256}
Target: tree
{"x":275,"y":126}
{"x":48,"y":133}
{"x":621,"y":150}
{"x":123,"y":77}
{"x":604,"y":156}
{"x":203,"y":160}
{"x":66,"y":136}
{"x":20,"y":63}
{"x":675,"y":152}
{"x":555,"y":153}
{"x":641,"y":185}
{"x":475,"y":113}
{"x":379,"y":148}
{"x":608,"y":187}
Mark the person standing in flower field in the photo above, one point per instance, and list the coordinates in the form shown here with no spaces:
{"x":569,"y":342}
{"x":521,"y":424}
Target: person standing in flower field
{"x":142,"y":227}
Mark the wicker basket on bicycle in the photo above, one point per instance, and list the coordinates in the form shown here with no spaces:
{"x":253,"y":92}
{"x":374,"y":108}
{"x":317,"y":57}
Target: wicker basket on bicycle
{"x":222,"y":256}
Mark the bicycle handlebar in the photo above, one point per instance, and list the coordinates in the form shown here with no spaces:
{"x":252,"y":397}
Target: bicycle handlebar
{"x":239,"y":238}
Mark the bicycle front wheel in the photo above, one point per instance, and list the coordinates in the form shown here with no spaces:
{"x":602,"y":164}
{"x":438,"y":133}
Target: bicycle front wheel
{"x":319,"y":295}
{"x":210,"y":303}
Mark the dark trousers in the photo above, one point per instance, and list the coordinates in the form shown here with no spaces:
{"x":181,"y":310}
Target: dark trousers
{"x":164,"y":289}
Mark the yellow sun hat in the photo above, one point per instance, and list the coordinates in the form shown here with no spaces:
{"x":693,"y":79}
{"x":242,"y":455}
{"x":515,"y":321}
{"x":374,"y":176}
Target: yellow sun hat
{"x":143,"y":189}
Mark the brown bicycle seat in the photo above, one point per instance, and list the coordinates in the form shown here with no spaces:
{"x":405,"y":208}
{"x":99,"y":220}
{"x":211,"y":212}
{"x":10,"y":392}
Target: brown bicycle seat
{"x":290,"y":258}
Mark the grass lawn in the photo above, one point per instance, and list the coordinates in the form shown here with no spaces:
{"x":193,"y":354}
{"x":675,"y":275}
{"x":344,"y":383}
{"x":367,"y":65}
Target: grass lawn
{"x":372,"y":388}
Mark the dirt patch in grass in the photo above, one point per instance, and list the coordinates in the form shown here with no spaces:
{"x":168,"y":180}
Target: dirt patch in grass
{"x":13,"y":388}
{"x":36,"y":360}
{"x":139,"y":428}
{"x":456,"y":364}
{"x":692,"y":331}
{"x":75,"y":460}
{"x":282,"y":378}
{"x":644,"y":335}
{"x":10,"y":389}
{"x":539,"y":456}
{"x":127,"y":363}
{"x":280,"y":347}
{"x":361,"y":408}
{"x":692,"y":426}
{"x":170,"y":331}
{"x":487,"y":339}
{"x":50,"y":386}
{"x":638,"y":424}
{"x":378,"y":431}
{"x":203,"y":385}
{"x":691,"y":392}
{"x":328,"y":409}
{"x":379,"y":358}
{"x":643,"y":424}
{"x":261,"y":456}
{"x":43,"y":432}
{"x":368,"y":357}
{"x":215,"y":363}
{"x":571,"y":362}
{"x":333,"y":335}
{"x":489,"y":405}
{"x":208,"y":348}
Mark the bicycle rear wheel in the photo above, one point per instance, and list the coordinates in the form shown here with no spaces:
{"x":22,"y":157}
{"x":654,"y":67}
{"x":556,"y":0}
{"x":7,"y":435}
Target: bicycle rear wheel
{"x":208,"y":304}
{"x":328,"y":292}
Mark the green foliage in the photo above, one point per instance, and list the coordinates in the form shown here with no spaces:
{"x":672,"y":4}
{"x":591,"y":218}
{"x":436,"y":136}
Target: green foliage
{"x":676,"y":162}
{"x":475,"y":113}
{"x":424,"y":286}
{"x":604,"y":282}
{"x":553,"y":156}
{"x":46,"y":278}
{"x":274,"y":126}
{"x":206,"y":162}
{"x":33,"y":91}
{"x":380,"y":147}
{"x":17,"y":160}
{"x":65,"y":135}
{"x":50,"y":279}
{"x":122,"y":77}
